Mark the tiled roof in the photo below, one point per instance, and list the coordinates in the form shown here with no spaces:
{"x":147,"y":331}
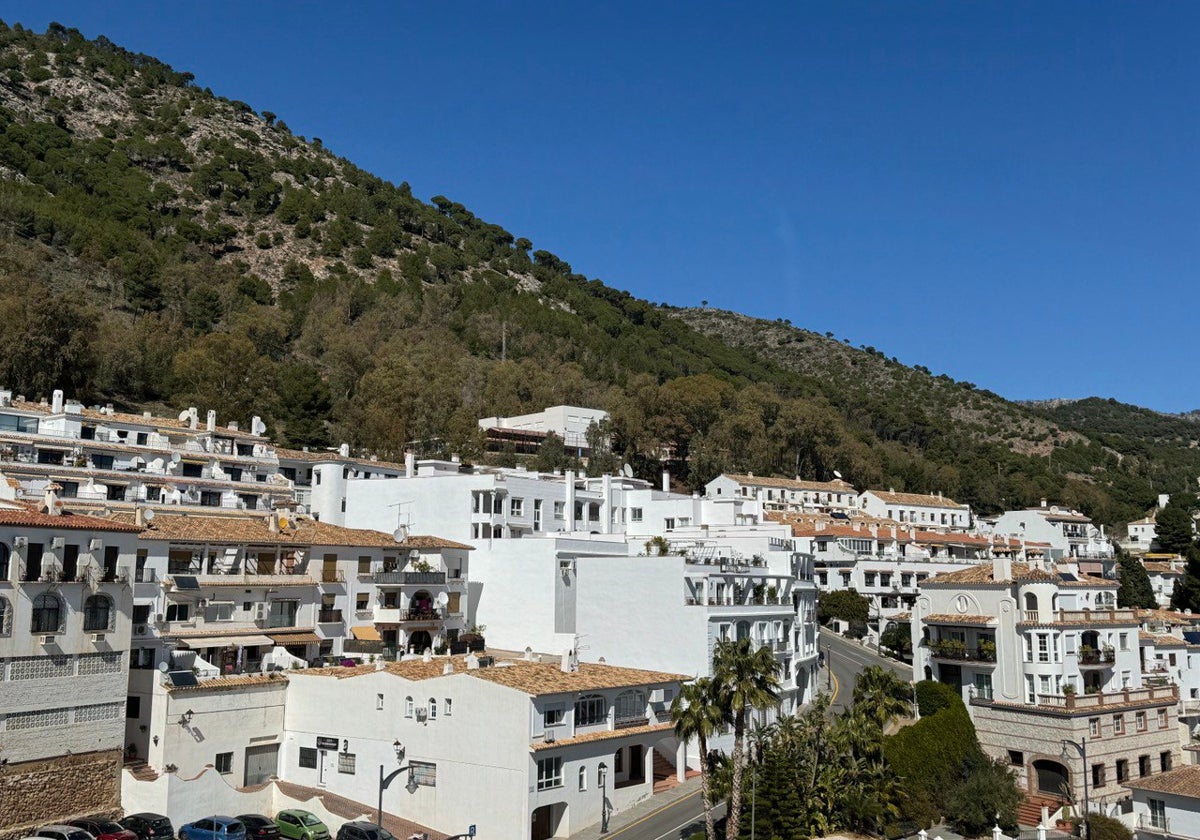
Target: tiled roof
{"x":983,"y":574}
{"x":534,"y":678}
{"x":24,"y":517}
{"x":1168,"y":616}
{"x":1060,"y":515}
{"x":253,"y":528}
{"x":427,"y":541}
{"x":1161,"y":568}
{"x":601,"y":735}
{"x":1161,"y":639}
{"x":1182,"y":781}
{"x":835,"y":486}
{"x":331,"y":456}
{"x":951,"y":618}
{"x":229,"y":683}
{"x":923,"y":499}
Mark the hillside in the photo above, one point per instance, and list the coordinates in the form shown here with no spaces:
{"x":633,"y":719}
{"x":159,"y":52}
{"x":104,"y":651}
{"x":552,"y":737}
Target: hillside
{"x":163,"y":247}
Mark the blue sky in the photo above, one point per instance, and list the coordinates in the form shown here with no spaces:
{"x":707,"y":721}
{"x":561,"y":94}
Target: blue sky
{"x":1005,"y":192}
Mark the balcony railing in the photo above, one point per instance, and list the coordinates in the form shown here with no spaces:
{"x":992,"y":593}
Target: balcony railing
{"x":959,"y":652}
{"x":422,"y":615}
{"x":630,"y":721}
{"x":329,"y":616}
{"x":1154,"y":824}
{"x":362,"y":646}
{"x":425,"y":578}
{"x":332,"y":576}
{"x":1098,"y":616}
{"x":1100,"y":700}
{"x":1097,"y":657}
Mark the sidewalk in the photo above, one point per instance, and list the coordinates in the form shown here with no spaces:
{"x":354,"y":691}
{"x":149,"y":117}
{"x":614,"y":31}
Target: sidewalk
{"x":664,"y":802}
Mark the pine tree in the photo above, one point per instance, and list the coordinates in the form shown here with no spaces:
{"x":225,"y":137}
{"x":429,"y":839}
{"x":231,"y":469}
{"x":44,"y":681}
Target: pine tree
{"x":1135,"y":589}
{"x":1173,"y":526}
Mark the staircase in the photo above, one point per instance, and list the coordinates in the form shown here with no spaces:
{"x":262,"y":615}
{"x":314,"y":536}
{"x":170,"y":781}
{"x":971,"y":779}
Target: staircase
{"x":1029,"y":812}
{"x":140,"y":770}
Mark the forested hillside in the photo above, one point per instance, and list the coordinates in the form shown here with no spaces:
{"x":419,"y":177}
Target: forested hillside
{"x":163,"y":247}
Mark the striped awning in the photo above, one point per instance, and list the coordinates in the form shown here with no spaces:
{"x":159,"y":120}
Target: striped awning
{"x":366,"y":634}
{"x":295,"y":638}
{"x":201,"y":642}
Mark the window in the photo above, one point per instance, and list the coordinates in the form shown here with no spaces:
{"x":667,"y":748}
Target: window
{"x":448,"y":706}
{"x":516,"y":507}
{"x":408,"y":707}
{"x":283,"y":613}
{"x":554,"y":716}
{"x":308,"y":758}
{"x":1118,"y":724}
{"x":379,"y":702}
{"x":47,"y":614}
{"x":224,"y":762}
{"x":424,"y":773}
{"x":590,"y":710}
{"x":1122,"y":770}
{"x":6,"y":614}
{"x":630,"y":706}
{"x":558,"y":509}
{"x":1164,"y":761}
{"x":433,"y":708}
{"x":346,"y":763}
{"x":178,"y":612}
{"x":619,"y":761}
{"x":549,"y":773}
{"x":1140,"y":721}
{"x":97,"y":612}
{"x":1124,"y":637}
{"x":1098,"y":776}
{"x":133,"y":707}
{"x":1016,"y":758}
{"x":1144,"y":765}
{"x":1162,"y":718}
{"x":582,"y":779}
{"x":635,"y":514}
{"x":1158,"y":813}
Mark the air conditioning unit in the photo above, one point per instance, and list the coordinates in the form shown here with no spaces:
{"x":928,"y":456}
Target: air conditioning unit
{"x":58,"y":542}
{"x":96,"y":544}
{"x":47,"y":640}
{"x":548,"y":737}
{"x":140,"y":629}
{"x":20,"y":542}
{"x":97,"y":637}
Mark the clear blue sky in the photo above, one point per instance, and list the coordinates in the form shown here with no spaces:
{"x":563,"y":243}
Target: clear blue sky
{"x":1005,"y":192}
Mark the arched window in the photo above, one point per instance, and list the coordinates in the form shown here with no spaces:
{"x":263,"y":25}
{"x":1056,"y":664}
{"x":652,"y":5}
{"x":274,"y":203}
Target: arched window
{"x":5,"y":618}
{"x":433,"y":708}
{"x":97,"y":613}
{"x":583,"y":778}
{"x":631,"y":705}
{"x":1031,"y":604}
{"x":590,"y":709}
{"x":47,"y":613}
{"x":408,"y":707}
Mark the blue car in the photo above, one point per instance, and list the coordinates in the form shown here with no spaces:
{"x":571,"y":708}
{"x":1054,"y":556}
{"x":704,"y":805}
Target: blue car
{"x":214,"y":828}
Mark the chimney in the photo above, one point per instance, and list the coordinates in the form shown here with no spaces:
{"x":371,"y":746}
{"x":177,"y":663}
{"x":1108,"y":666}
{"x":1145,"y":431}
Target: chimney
{"x":50,"y":500}
{"x":233,"y":425}
{"x":211,"y":421}
{"x":427,"y":656}
{"x":193,"y":417}
{"x":139,"y":516}
{"x":344,"y":450}
{"x":1001,"y":566}
{"x":410,"y":464}
{"x":1043,"y":502}
{"x":569,"y":663}
{"x":472,"y":661}
{"x":146,"y":415}
{"x":569,"y":505}
{"x":56,"y":407}
{"x":891,"y":489}
{"x":666,"y":481}
{"x":447,"y":669}
{"x":272,"y":523}
{"x":257,"y":426}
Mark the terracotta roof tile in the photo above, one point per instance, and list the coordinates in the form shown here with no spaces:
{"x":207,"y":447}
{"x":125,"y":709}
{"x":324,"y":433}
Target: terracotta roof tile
{"x":983,"y":574}
{"x":427,"y":541}
{"x":601,"y":735}
{"x":230,"y":683}
{"x":24,"y":517}
{"x":951,"y":618}
{"x":923,"y":499}
{"x":251,"y":528}
{"x":835,"y":486}
{"x":1182,"y":781}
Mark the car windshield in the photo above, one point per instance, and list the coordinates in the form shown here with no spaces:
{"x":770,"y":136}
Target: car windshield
{"x":309,"y":819}
{"x":111,"y":827}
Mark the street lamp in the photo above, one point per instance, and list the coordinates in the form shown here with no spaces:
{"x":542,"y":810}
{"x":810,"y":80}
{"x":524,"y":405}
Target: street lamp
{"x":603,"y":798}
{"x":1081,"y":747}
{"x":384,"y":781}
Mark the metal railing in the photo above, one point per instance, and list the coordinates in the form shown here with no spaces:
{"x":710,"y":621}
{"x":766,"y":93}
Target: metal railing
{"x":329,"y":616}
{"x":332,"y":576}
{"x":1097,"y":657}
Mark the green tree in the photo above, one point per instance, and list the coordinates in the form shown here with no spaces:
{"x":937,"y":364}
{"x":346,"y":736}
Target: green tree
{"x":304,"y":405}
{"x":897,"y":638}
{"x":845,"y":604}
{"x":987,"y":794}
{"x":224,"y":373}
{"x":697,"y":713}
{"x":882,"y":695}
{"x":1173,"y":526}
{"x":749,"y":678}
{"x":1135,"y":589}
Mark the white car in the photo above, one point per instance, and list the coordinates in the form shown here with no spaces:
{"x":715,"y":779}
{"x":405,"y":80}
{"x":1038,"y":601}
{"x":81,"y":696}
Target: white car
{"x":63,"y":832}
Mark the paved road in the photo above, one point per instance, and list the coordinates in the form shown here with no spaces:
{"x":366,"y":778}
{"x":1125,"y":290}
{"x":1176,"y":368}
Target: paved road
{"x":680,"y":819}
{"x":845,"y":659}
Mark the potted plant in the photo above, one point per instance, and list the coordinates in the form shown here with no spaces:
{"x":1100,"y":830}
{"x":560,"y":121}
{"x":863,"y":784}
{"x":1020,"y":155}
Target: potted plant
{"x":1069,"y":689}
{"x":772,"y":594}
{"x":987,"y":650}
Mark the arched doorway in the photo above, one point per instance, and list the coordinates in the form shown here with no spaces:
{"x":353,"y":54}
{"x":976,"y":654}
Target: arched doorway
{"x":1050,"y":777}
{"x":548,"y":821}
{"x":419,"y":641}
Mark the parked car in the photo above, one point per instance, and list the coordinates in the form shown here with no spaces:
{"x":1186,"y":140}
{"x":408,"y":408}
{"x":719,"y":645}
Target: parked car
{"x":148,"y":826}
{"x":259,"y":827}
{"x":64,"y":832}
{"x":296,"y":824}
{"x":363,"y":831}
{"x":213,"y":828}
{"x":104,"y":829}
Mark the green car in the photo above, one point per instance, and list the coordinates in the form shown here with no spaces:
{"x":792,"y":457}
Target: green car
{"x":300,"y":825}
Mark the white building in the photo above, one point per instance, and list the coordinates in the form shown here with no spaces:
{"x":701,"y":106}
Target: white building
{"x":65,"y":603}
{"x":922,"y":510}
{"x":1167,"y":805}
{"x":1041,"y":654}
{"x":1069,"y":533}
{"x":785,"y":494}
{"x":525,"y":432}
{"x":520,"y":748}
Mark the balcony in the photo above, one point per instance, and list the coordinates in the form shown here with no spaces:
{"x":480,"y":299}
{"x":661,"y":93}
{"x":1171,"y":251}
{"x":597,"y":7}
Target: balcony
{"x":362,"y":646}
{"x":332,"y":576}
{"x":956,"y":651}
{"x":1098,"y":702}
{"x":630,"y":721}
{"x":1099,"y":616}
{"x":329,"y":616}
{"x":419,"y":615}
{"x":424,"y":578}
{"x":1089,"y":658}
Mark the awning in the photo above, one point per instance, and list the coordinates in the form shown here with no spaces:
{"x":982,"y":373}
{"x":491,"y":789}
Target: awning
{"x":225,"y":641}
{"x":295,"y":638}
{"x":366,"y":634}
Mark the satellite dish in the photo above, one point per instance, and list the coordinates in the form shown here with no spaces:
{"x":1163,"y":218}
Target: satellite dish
{"x":184,"y":415}
{"x":837,"y":474}
{"x":148,"y":515}
{"x":400,"y":534}
{"x":627,"y":471}
{"x":163,"y":667}
{"x":175,"y":458}
{"x":283,"y":522}
{"x":443,"y":599}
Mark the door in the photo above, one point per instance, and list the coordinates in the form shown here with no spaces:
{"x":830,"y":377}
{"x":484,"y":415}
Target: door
{"x":322,"y":761}
{"x":637,"y":767}
{"x":1051,"y":777}
{"x":262,"y":763}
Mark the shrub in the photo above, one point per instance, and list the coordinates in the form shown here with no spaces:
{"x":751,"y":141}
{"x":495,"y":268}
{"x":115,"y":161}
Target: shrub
{"x":931,"y":757}
{"x":1101,"y":827}
{"x":933,"y":696}
{"x":988,"y":793}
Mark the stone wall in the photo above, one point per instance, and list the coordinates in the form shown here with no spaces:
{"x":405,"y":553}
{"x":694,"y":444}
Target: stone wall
{"x":37,"y":793}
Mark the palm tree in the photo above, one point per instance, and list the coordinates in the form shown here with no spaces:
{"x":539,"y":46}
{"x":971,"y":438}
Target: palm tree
{"x":698,"y":712}
{"x":882,"y":695}
{"x":749,"y":678}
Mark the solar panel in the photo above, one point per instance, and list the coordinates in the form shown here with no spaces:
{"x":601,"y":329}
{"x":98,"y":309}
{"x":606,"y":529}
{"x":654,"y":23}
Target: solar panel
{"x":186,"y":582}
{"x":182,"y":679}
{"x":1192,"y":636}
{"x":1067,"y":576}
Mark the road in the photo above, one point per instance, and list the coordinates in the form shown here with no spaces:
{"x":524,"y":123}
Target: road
{"x":846,"y":659}
{"x":680,"y":819}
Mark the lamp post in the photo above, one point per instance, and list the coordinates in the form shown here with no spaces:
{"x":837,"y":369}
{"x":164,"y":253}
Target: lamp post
{"x":603,"y":798}
{"x":384,"y":781}
{"x":1081,"y":747}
